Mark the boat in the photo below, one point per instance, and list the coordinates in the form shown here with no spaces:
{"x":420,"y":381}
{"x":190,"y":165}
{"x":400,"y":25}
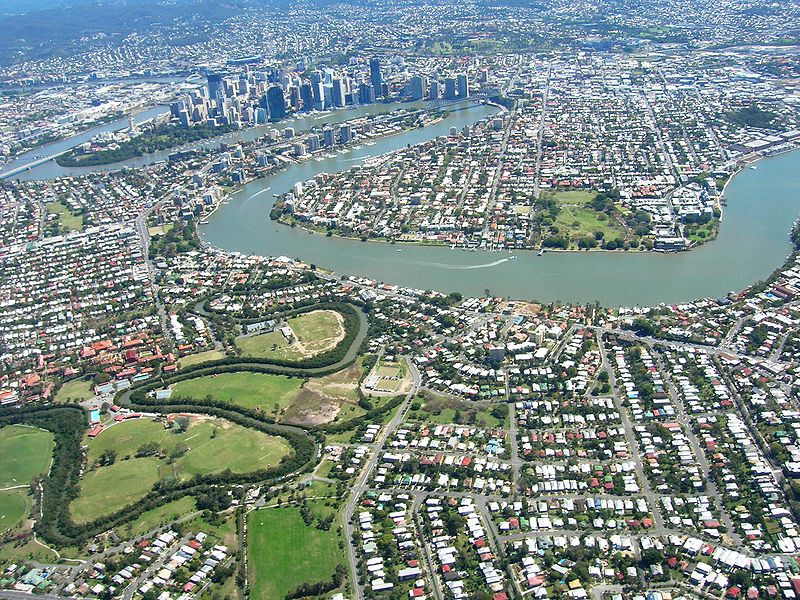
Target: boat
{"x":753,"y":167}
{"x":512,"y":257}
{"x":398,"y":250}
{"x":541,"y":252}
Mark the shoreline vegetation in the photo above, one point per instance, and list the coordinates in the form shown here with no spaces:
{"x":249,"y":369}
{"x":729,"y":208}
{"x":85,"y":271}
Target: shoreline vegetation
{"x":634,"y":243}
{"x":154,"y":139}
{"x":276,"y":214}
{"x":160,"y":137}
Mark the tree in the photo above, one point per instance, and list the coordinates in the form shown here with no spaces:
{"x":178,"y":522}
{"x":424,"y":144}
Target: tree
{"x":148,"y":449}
{"x":181,"y":424}
{"x":108,"y":457}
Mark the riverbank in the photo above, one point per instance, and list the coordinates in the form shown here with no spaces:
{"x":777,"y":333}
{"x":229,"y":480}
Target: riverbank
{"x":762,"y":205}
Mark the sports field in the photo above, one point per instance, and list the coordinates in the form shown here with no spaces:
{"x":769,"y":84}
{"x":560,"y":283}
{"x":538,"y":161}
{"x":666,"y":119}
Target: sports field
{"x":25,"y":453}
{"x":208,"y":446}
{"x":200,"y":357}
{"x":15,"y":505}
{"x":249,"y":390}
{"x":285,"y":552}
{"x":68,"y":220}
{"x":574,"y":197}
{"x":110,"y":488}
{"x":314,"y":332}
{"x":75,"y":390}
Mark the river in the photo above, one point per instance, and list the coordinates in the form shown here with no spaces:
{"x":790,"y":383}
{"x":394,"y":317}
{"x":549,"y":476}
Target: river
{"x":753,"y":241}
{"x":51,"y":169}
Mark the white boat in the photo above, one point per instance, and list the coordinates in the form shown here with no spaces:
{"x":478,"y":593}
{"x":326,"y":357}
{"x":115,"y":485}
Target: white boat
{"x":541,"y":252}
{"x":753,"y":167}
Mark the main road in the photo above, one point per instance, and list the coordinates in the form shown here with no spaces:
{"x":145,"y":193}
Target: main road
{"x":366,"y":473}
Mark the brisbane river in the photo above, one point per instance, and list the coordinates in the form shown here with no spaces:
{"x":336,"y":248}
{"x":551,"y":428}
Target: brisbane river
{"x":753,"y":239}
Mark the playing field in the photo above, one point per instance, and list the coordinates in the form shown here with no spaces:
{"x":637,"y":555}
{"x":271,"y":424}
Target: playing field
{"x":285,"y":552}
{"x":574,"y":197}
{"x":208,"y":446}
{"x":68,"y":220}
{"x":75,"y":390}
{"x":25,"y":453}
{"x":314,"y":332}
{"x":250,"y":390}
{"x":584,"y":221}
{"x":14,"y":507}
{"x":200,"y":357}
{"x":108,"y":489}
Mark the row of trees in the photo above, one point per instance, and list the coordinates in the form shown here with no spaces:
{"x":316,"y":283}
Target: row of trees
{"x":67,"y":423}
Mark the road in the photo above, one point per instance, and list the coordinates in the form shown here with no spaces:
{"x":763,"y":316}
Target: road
{"x":697,"y":449}
{"x":633,"y":445}
{"x":360,"y":486}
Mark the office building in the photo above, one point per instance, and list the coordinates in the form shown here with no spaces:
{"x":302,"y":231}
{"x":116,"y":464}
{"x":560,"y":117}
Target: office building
{"x":416,"y":88}
{"x":366,"y":94}
{"x":463,"y":86}
{"x":346,"y":134}
{"x":276,"y":103}
{"x":450,"y":92}
{"x":306,"y":96}
{"x":216,"y":87}
{"x":433,"y":90}
{"x":375,"y":77}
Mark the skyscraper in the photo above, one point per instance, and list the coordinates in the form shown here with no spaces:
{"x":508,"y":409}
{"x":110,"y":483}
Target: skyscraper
{"x":433,"y":90}
{"x":375,"y":77}
{"x":366,"y":94}
{"x":318,"y":92}
{"x":215,"y":85}
{"x":306,"y":96}
{"x":449,"y":89}
{"x":294,"y":97}
{"x":337,"y":93}
{"x":346,"y":134}
{"x":463,"y":86}
{"x":276,"y":103}
{"x":416,"y":88}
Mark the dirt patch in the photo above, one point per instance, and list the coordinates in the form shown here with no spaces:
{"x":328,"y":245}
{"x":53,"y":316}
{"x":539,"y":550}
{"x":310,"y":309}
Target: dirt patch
{"x":322,"y":345}
{"x":312,"y":408}
{"x":322,"y":398}
{"x":520,"y":308}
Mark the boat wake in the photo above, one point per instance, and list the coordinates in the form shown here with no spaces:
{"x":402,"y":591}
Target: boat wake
{"x":465,"y":267}
{"x":258,"y":193}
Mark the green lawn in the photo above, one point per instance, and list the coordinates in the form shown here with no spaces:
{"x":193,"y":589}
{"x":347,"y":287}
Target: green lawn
{"x":268,"y":345}
{"x":158,"y":517}
{"x":580,"y":222}
{"x":443,"y":412}
{"x":75,"y":390}
{"x":14,"y":508}
{"x":249,"y":390}
{"x":25,"y":453}
{"x":210,"y":446}
{"x":69,"y":221}
{"x":108,"y":489}
{"x":284,"y":552}
{"x":200,"y":357}
{"x":574,"y":197}
{"x":316,"y":332}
